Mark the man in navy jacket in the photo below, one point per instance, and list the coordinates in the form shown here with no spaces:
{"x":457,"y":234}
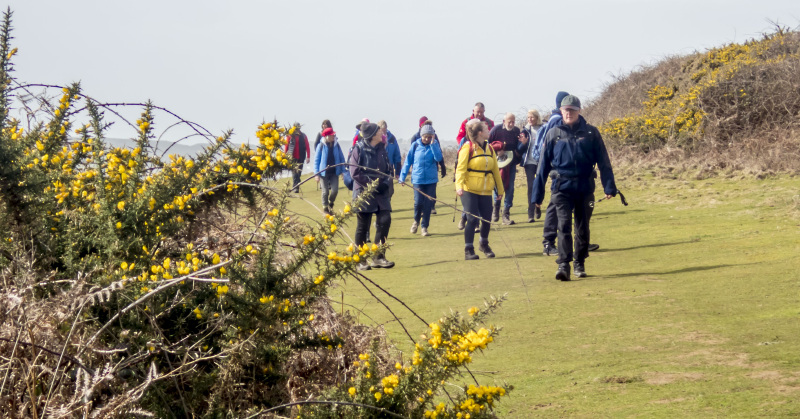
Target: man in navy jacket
{"x":571,"y":150}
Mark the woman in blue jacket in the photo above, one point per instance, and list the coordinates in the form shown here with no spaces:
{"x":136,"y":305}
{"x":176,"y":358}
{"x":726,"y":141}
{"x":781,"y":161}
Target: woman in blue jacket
{"x":326,"y":159}
{"x":424,"y":155}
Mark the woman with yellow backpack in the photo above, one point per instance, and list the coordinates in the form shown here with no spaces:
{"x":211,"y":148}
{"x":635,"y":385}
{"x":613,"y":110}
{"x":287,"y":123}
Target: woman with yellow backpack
{"x":477,"y":175}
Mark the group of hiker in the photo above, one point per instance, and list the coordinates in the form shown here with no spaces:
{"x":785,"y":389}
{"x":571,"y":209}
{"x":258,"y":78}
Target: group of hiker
{"x":566,"y":149}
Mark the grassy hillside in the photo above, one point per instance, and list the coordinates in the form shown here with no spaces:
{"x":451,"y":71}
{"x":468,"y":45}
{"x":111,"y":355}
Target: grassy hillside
{"x":735,"y":107}
{"x":691,"y":306}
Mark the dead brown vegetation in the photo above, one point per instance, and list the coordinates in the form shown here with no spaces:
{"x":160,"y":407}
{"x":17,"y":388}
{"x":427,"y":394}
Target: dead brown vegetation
{"x":751,"y":121}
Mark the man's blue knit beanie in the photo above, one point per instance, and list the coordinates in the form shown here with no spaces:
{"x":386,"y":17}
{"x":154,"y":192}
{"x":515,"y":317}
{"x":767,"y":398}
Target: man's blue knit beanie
{"x":559,"y":97}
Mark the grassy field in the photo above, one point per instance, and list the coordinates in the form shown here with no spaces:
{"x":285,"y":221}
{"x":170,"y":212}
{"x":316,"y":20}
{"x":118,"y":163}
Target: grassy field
{"x":691,"y":307}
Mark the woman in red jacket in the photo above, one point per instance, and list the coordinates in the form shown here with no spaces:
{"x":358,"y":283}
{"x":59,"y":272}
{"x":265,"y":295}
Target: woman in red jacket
{"x":297,"y":146}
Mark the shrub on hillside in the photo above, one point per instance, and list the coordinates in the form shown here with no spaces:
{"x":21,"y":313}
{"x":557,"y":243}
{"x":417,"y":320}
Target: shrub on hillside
{"x":705,"y":100}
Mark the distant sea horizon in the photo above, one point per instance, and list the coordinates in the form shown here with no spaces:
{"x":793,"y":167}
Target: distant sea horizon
{"x":191,"y":150}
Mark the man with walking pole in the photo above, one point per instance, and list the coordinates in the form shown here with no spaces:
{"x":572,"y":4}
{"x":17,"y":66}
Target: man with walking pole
{"x":571,"y":150}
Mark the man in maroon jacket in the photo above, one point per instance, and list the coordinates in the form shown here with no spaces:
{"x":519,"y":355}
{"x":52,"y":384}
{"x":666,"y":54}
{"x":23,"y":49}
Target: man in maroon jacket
{"x":507,"y":135}
{"x":297,"y":147}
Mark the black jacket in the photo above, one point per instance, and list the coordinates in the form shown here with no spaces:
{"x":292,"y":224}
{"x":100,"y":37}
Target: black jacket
{"x":572,"y":153}
{"x":374,"y":158}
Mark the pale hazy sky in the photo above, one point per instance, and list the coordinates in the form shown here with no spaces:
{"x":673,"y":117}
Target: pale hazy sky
{"x":233,"y":64}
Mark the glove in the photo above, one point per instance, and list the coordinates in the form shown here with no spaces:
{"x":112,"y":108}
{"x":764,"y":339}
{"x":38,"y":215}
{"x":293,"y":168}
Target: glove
{"x":497,"y":146}
{"x":443,"y":171}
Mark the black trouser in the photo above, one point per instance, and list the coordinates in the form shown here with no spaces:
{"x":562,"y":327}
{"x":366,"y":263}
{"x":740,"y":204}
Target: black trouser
{"x":383,"y":221}
{"x":550,"y":230}
{"x":480,"y":205}
{"x":568,"y":204}
{"x":530,"y":175}
{"x":296,"y":172}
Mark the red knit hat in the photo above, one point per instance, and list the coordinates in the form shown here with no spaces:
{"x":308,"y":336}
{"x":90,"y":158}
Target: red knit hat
{"x":328,"y":131}
{"x":422,"y":120}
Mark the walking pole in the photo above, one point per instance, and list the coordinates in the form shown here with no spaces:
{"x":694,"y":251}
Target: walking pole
{"x":455,"y":205}
{"x":621,"y":198}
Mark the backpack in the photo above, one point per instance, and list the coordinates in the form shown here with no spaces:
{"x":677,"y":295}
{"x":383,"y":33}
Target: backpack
{"x":297,"y":142}
{"x":348,"y":179}
{"x":468,"y":143}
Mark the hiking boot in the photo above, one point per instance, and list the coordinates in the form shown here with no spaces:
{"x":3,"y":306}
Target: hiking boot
{"x":496,"y":212}
{"x":593,"y":247}
{"x":381,"y":262}
{"x":537,"y":212}
{"x":531,"y":218}
{"x":469,"y":253}
{"x":507,"y":218}
{"x":363,"y":266}
{"x":550,"y":250}
{"x":563,"y":272}
{"x":414,"y":226}
{"x":462,"y":223}
{"x":580,"y":270}
{"x":425,"y":232}
{"x":484,"y":247}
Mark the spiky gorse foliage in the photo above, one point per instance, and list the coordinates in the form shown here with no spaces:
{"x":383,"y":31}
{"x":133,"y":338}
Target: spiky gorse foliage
{"x":133,"y":284}
{"x":414,"y":387}
{"x":721,"y":92}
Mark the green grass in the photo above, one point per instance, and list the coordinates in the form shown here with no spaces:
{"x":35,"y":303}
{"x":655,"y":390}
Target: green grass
{"x":691,"y":307}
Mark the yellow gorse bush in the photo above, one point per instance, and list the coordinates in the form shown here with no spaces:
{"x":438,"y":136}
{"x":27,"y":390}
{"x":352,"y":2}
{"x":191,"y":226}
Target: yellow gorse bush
{"x":676,"y":113}
{"x":161,"y":304}
{"x":165,"y":309}
{"x":413,"y":389}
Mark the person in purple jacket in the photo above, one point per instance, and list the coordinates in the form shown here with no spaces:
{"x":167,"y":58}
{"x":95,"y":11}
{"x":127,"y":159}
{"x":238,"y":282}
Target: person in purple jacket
{"x":369,"y":162}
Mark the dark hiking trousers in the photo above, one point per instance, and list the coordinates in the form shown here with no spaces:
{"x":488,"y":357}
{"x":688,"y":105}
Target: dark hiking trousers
{"x":296,"y":172}
{"x":567,"y":205}
{"x":480,"y":205}
{"x":550,"y":230}
{"x":530,"y":175}
{"x":383,"y":220}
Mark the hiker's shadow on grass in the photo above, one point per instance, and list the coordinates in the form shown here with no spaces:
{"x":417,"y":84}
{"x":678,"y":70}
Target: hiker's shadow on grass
{"x":603,"y":213}
{"x":433,"y":235}
{"x":401,"y":210}
{"x":483,"y":257}
{"x":519,"y":255}
{"x":431,"y":263}
{"x":673,"y":272}
{"x":645,"y":246}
